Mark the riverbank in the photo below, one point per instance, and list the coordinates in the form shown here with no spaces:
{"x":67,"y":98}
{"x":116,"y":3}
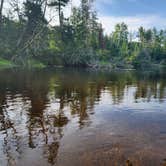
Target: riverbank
{"x":30,"y":63}
{"x":6,"y":63}
{"x":98,"y":65}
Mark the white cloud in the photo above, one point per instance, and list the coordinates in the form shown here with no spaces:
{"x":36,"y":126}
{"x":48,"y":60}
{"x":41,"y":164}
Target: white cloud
{"x":133,"y":22}
{"x":75,"y":2}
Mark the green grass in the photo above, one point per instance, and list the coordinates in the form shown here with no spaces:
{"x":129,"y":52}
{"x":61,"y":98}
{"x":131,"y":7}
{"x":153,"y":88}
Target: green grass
{"x":31,"y":63}
{"x":104,"y":63}
{"x":5,"y":63}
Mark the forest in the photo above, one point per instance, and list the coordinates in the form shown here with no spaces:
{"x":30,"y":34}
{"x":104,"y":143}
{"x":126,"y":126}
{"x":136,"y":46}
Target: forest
{"x":28,"y":39}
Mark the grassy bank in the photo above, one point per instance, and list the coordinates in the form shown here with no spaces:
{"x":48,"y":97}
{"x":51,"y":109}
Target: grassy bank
{"x":6,"y":63}
{"x":29,"y":63}
{"x":97,"y":65}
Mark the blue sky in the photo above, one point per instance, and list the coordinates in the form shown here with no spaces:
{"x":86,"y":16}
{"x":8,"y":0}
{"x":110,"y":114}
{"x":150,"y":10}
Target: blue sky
{"x":131,"y":7}
{"x":135,"y":13}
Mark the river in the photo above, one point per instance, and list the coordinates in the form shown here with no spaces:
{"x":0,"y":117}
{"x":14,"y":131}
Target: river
{"x":74,"y":117}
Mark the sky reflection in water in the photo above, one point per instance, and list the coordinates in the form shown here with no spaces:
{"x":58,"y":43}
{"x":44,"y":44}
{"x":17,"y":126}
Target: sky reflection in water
{"x":71,"y":117}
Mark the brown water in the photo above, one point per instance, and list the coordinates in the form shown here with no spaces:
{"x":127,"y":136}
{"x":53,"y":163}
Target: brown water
{"x":82,"y":118}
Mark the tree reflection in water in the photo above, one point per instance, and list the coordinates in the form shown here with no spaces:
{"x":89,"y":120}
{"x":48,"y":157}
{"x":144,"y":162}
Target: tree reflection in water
{"x":35,"y":106}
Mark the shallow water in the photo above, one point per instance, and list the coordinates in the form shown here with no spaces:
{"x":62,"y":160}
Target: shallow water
{"x":82,"y":118}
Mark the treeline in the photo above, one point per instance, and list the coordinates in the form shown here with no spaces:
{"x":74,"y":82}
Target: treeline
{"x":27,"y":37}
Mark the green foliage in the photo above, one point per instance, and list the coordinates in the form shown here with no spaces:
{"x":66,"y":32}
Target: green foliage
{"x":33,"y":12}
{"x":103,"y":55}
{"x":31,"y":63}
{"x":35,"y":17}
{"x":58,"y":3}
{"x":5,"y":63}
{"x":143,"y":60}
{"x":52,"y":46}
{"x":77,"y":41}
{"x":120,"y":35}
{"x":78,"y":57}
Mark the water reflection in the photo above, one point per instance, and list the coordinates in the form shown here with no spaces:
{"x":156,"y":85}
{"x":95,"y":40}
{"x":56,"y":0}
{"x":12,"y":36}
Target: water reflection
{"x":40,"y":109}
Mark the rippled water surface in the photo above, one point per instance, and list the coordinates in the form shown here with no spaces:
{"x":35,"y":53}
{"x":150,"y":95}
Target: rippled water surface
{"x":81,"y":118}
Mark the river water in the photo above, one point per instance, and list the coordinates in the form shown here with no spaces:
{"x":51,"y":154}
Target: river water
{"x":71,"y":117}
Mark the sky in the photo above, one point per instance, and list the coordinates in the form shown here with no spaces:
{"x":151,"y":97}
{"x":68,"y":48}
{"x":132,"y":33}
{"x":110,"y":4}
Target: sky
{"x":135,"y":13}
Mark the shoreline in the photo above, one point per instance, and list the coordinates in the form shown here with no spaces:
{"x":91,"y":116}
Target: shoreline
{"x":32,"y":64}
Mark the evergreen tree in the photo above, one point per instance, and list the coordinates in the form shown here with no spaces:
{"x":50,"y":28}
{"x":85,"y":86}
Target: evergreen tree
{"x":59,"y":5}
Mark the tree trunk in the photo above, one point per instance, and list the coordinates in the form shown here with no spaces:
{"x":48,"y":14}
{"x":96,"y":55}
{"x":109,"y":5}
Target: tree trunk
{"x":45,"y":8}
{"x":1,"y":7}
{"x":60,"y":20}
